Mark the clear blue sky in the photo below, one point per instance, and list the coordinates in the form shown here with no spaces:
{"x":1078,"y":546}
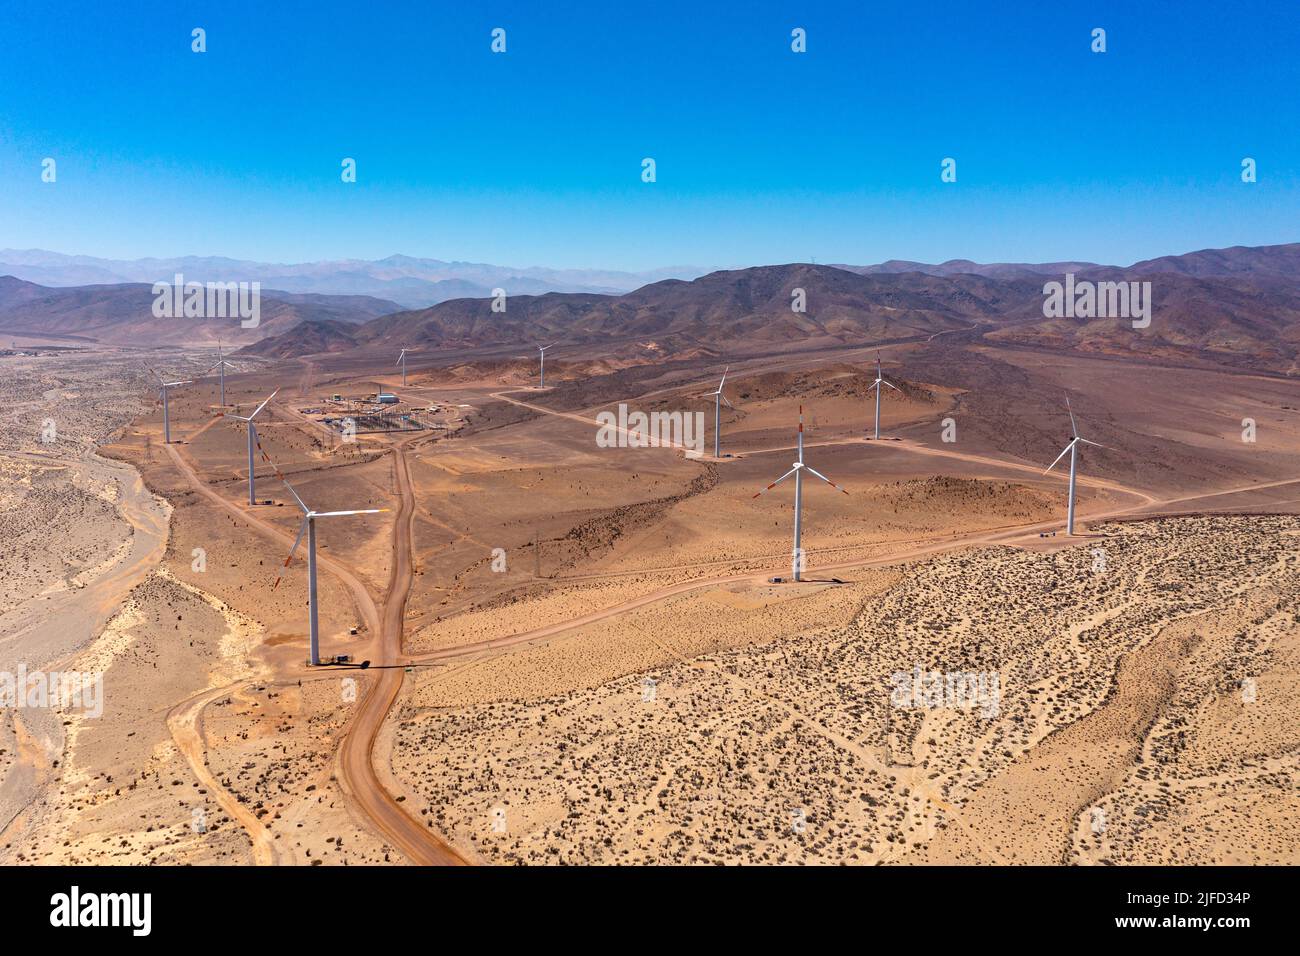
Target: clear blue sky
{"x":534,"y":157}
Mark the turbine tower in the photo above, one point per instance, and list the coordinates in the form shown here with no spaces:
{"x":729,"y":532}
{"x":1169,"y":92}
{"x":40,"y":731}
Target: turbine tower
{"x":221,"y":366}
{"x":401,"y":359}
{"x":252,"y":440}
{"x":309,"y":527}
{"x":797,"y":470}
{"x":718,"y":399}
{"x":167,"y":421}
{"x":880,"y":380}
{"x":541,"y":368}
{"x":1073,"y":449}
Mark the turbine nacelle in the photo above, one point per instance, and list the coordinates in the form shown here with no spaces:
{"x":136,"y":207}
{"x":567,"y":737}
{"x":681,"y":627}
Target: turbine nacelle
{"x":308,"y":516}
{"x":256,"y":411}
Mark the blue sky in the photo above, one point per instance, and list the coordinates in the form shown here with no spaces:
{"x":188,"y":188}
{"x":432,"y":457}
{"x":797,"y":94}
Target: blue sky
{"x":763,"y":155}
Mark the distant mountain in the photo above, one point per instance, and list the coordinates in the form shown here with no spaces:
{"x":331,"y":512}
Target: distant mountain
{"x":742,"y":310}
{"x":123,"y":314}
{"x":1247,"y":321}
{"x":957,"y":267}
{"x":313,"y":337}
{"x":1238,"y":307}
{"x":1277,"y":262}
{"x":1243,"y":322}
{"x":409,"y":281}
{"x":16,"y":292}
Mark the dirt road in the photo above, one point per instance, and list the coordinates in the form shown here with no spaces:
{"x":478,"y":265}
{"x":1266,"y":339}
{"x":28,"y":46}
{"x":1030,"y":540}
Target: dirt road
{"x":356,"y":752}
{"x":356,"y":772}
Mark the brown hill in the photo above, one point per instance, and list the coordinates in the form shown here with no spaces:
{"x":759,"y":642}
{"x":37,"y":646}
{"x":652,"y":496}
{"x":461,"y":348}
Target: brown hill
{"x":1276,"y":262}
{"x":312,"y":337}
{"x":123,"y":314}
{"x":1249,"y":320}
{"x":1245,"y":323}
{"x":745,"y":310}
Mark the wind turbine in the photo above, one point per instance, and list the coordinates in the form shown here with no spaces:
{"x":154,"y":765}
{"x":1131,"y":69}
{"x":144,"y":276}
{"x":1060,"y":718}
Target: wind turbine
{"x":541,"y":349}
{"x":401,"y":359}
{"x":167,"y":423}
{"x":718,"y":399}
{"x":797,"y":470}
{"x":252,"y":440}
{"x":221,"y":365}
{"x":880,"y":380}
{"x":1073,"y":449}
{"x":309,"y":527}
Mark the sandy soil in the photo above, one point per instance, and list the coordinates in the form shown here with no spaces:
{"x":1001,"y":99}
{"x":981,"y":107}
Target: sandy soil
{"x":739,"y":749}
{"x":591,"y":665}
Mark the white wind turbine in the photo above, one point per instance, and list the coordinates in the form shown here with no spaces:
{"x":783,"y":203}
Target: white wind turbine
{"x":221,"y":365}
{"x":167,"y":422}
{"x":797,"y":470}
{"x":880,"y":380}
{"x":1073,"y":449}
{"x":541,"y":368}
{"x":309,"y":527}
{"x":718,"y":399}
{"x":401,"y":360}
{"x":252,"y":440}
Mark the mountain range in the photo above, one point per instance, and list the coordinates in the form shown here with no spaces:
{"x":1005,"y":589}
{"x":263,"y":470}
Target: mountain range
{"x":1236,"y":307}
{"x":411,"y":282}
{"x":123,"y":315}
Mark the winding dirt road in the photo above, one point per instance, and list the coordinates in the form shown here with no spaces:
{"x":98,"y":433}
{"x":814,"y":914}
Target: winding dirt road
{"x":356,"y":770}
{"x":356,"y":753}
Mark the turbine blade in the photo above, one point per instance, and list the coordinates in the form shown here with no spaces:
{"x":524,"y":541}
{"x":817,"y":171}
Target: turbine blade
{"x":825,"y":479}
{"x":263,"y":405}
{"x":1092,"y":443}
{"x":1074,"y":429}
{"x":1058,"y":457}
{"x":894,"y":387}
{"x":724,"y":377}
{"x":302,"y":529}
{"x":777,"y":482}
{"x":238,"y":418}
{"x":873,"y":385}
{"x":725,"y":402}
{"x":340,"y":514}
{"x":305,"y":509}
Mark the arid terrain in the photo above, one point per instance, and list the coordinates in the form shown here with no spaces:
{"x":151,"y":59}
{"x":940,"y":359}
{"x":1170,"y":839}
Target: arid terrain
{"x":563,"y":647}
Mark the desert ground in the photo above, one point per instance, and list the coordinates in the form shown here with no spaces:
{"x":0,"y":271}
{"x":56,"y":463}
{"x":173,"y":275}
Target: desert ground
{"x":575,"y":651}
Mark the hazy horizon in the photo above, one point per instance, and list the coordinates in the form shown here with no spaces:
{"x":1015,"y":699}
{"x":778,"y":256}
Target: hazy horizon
{"x":685,"y":267}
